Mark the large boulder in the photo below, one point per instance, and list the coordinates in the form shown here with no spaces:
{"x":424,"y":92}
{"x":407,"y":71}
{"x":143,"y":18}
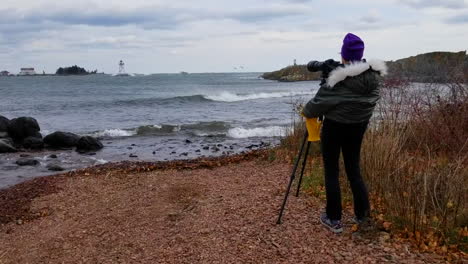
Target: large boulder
{"x":4,"y":122}
{"x":6,"y":146}
{"x":23,"y":127}
{"x":88,"y":143}
{"x":61,"y":139}
{"x":33,"y":143}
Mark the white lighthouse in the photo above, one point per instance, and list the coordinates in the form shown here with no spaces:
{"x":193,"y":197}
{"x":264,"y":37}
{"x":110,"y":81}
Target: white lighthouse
{"x":122,"y":69}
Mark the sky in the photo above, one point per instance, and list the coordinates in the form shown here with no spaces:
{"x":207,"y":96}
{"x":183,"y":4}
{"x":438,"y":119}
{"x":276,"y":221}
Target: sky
{"x":166,"y":36}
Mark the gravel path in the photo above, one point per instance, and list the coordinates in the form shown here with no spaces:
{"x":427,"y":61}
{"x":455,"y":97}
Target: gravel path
{"x":225,"y":214}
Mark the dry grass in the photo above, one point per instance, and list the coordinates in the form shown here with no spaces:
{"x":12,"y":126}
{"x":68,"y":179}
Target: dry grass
{"x":415,"y":158}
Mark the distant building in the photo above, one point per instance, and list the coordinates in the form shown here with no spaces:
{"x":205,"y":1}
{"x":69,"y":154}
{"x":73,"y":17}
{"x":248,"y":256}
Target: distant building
{"x":27,"y":71}
{"x":4,"y":73}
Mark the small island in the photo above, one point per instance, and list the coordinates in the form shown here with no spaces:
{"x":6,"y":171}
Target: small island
{"x":293,"y":73}
{"x":73,"y":70}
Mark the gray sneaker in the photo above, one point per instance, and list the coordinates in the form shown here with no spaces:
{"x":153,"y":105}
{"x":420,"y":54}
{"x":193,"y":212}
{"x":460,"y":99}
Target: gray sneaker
{"x":334,"y":225}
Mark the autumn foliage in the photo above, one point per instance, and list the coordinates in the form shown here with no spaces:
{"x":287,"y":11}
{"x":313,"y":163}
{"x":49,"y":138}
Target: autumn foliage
{"x":415,"y":159}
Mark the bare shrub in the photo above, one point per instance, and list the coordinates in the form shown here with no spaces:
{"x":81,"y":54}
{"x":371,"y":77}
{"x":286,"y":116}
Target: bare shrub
{"x":414,"y":155}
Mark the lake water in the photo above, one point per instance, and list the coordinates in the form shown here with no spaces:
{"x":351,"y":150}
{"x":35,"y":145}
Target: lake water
{"x":153,"y":117}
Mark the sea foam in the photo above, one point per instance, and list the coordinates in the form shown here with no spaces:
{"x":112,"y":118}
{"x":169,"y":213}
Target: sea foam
{"x":115,"y":133}
{"x":272,"y":131}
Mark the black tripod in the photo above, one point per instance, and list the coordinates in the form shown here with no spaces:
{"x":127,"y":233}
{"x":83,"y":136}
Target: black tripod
{"x":293,"y":175}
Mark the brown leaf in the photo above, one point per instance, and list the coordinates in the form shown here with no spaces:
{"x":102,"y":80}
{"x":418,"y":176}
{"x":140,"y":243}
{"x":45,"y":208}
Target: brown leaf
{"x":387,"y":226}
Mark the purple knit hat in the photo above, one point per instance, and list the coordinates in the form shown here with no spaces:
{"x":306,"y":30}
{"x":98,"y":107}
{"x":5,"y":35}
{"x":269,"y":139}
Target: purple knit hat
{"x":353,"y":48}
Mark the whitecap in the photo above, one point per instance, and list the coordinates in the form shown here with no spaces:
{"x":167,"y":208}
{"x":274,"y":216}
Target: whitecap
{"x":115,"y":133}
{"x":272,"y":131}
{"x":232,"y":97}
{"x":99,"y":161}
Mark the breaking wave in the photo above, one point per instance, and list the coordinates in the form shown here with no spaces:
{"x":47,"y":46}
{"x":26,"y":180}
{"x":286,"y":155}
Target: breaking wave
{"x":114,"y":133}
{"x":272,"y":131}
{"x":201,"y":129}
{"x":232,"y":97}
{"x":215,"y":97}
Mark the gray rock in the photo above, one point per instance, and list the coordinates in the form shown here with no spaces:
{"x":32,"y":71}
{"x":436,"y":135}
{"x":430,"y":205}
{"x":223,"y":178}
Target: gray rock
{"x":3,"y":134}
{"x":23,"y":127}
{"x":54,"y":167}
{"x":88,"y":143}
{"x":33,"y":143}
{"x":6,"y":146}
{"x":4,"y":122}
{"x":133,"y":156}
{"x":61,"y":139}
{"x":27,"y":162}
{"x":53,"y":156}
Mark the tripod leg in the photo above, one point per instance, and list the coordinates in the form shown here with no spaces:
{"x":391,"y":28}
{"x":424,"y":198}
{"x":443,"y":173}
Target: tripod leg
{"x":303,"y":167}
{"x":291,"y":179}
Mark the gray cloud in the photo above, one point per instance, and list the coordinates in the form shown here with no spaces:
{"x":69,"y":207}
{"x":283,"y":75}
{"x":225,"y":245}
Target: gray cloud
{"x":371,"y":18}
{"x":459,"y":19}
{"x":159,"y":18}
{"x":255,"y":15}
{"x":150,"y":18}
{"x":452,"y":4}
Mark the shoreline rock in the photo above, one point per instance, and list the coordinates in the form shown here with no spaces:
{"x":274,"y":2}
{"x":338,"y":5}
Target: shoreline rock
{"x":88,"y":143}
{"x":23,"y":127}
{"x":4,"y":123}
{"x":6,"y":146}
{"x":61,"y":139}
{"x":27,"y":162}
{"x":33,"y":143}
{"x":54,"y":167}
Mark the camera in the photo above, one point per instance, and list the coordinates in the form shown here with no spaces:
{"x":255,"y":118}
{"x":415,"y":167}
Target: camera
{"x":324,"y":66}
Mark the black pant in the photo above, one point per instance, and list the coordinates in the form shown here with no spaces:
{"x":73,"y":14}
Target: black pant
{"x":338,"y":137}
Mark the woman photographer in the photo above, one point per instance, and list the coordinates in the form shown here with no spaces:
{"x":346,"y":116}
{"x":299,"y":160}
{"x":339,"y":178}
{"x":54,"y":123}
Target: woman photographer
{"x":346,"y":100}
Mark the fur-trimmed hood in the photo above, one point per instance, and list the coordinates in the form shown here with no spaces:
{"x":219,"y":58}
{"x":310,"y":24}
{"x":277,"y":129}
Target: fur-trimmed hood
{"x":354,"y":69}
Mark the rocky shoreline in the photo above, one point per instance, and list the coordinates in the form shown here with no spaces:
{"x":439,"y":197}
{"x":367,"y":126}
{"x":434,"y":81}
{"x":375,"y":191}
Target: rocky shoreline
{"x":23,"y":134}
{"x":294,"y":73}
{"x":26,"y":154}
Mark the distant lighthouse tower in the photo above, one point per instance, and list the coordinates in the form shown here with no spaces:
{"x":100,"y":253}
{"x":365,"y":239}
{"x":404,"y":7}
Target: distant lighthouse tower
{"x":122,"y":69}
